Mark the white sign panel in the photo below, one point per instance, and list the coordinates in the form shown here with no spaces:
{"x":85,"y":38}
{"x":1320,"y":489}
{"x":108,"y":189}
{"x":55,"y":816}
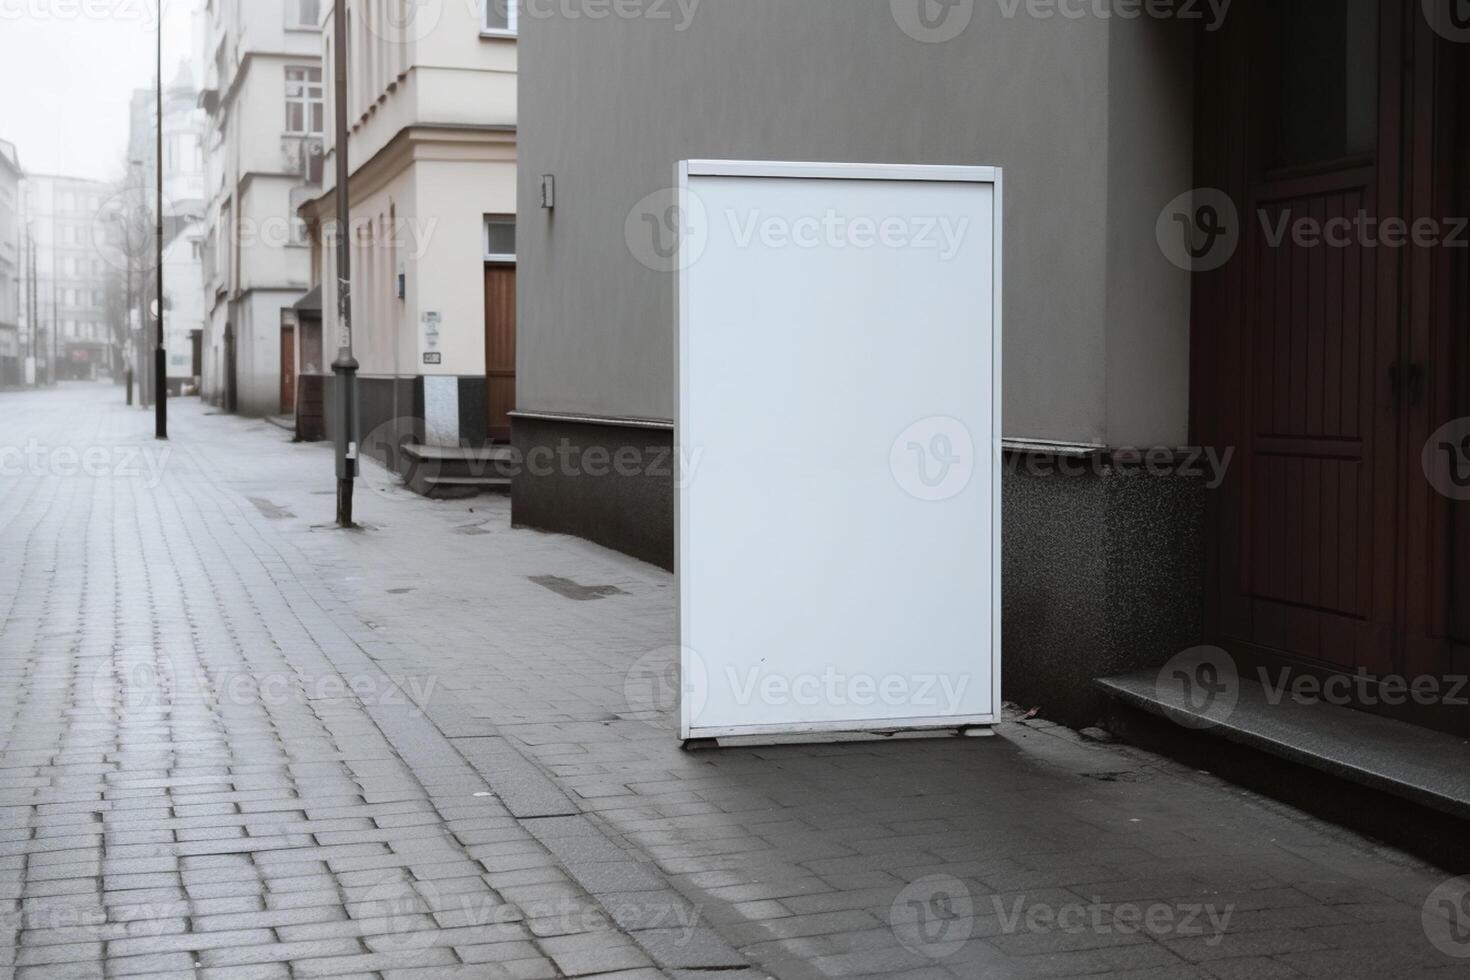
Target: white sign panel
{"x":839,"y":417}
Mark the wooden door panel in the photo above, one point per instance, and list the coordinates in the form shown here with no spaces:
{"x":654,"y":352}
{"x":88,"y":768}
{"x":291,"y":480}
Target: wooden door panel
{"x":288,"y":370}
{"x":1306,"y":331}
{"x":500,"y":348}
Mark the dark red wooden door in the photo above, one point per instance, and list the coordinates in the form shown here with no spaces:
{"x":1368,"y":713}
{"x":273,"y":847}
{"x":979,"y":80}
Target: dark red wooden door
{"x":1436,"y":356}
{"x":1303,"y":569}
{"x":288,"y":370}
{"x":500,"y":348}
{"x":1328,"y":360}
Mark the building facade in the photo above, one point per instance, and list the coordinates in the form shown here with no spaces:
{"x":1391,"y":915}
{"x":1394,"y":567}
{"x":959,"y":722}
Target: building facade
{"x":1301,"y":532}
{"x":70,"y":334}
{"x":183,"y":212}
{"x":12,"y":245}
{"x":432,"y":158}
{"x":265,"y":114}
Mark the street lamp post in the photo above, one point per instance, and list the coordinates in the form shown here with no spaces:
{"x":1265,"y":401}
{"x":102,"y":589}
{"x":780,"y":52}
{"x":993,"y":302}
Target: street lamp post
{"x":345,"y":366}
{"x":160,"y":356}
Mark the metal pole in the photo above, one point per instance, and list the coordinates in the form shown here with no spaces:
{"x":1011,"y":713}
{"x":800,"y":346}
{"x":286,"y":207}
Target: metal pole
{"x":345,"y":367}
{"x":160,"y":356}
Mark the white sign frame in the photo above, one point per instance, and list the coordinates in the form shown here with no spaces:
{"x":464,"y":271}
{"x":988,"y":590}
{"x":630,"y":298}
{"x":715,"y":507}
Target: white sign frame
{"x":687,"y":254}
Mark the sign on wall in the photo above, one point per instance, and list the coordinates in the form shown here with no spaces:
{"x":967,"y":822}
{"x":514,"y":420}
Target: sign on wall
{"x":839,"y":387}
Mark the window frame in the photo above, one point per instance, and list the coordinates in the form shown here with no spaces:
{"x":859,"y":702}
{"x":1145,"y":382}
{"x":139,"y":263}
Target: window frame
{"x":512,"y":26}
{"x":296,"y":23}
{"x":305,"y":99}
{"x":497,"y":258}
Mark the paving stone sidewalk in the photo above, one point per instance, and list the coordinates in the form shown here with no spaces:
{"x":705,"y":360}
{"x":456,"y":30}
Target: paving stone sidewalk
{"x":236,"y":742}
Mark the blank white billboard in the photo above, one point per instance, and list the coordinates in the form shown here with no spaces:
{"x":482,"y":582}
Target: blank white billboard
{"x":838,"y":513}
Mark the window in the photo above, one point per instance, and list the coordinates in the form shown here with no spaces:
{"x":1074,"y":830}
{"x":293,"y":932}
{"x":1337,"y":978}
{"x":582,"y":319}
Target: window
{"x":500,"y":239}
{"x":304,"y":106}
{"x":303,"y":14}
{"x":501,"y":16}
{"x":1322,"y":77}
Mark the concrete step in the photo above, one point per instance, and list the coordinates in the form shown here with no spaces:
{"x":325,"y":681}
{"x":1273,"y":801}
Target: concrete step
{"x":1406,"y":785}
{"x":446,"y":472}
{"x":466,"y":454}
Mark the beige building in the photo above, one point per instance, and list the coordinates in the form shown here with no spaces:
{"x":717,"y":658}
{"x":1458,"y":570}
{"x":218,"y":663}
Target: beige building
{"x":432,"y":155}
{"x":266,"y":112}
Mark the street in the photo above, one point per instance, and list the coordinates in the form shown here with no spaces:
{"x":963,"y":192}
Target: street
{"x":235,"y":741}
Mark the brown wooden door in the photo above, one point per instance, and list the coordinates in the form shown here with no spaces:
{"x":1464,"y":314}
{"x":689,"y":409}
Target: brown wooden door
{"x":500,"y":348}
{"x":1327,"y":362}
{"x":288,"y":370}
{"x":1436,"y":354}
{"x":1312,"y":576}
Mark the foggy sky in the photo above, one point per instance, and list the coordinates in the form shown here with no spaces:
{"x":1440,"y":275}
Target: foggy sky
{"x":67,"y":72}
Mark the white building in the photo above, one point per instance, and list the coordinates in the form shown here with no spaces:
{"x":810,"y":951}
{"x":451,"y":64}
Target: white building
{"x":266,"y":112}
{"x":432,"y":156}
{"x":12,"y":242}
{"x":72,"y":336}
{"x":183,"y":213}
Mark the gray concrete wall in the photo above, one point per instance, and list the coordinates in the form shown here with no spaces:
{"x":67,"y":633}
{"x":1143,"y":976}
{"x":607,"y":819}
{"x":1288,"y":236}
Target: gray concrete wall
{"x":1088,"y":116}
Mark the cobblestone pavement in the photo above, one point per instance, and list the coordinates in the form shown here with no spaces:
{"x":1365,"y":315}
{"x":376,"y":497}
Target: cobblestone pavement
{"x":237,"y":743}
